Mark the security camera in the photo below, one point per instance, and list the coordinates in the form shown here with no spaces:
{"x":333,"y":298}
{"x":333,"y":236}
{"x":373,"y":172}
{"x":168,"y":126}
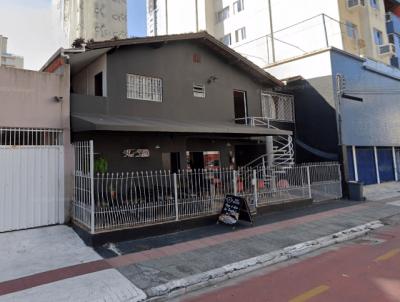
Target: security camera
{"x":58,"y":99}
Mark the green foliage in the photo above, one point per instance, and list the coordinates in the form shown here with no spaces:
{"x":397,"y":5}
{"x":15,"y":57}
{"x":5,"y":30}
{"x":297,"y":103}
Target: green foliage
{"x":100,"y":165}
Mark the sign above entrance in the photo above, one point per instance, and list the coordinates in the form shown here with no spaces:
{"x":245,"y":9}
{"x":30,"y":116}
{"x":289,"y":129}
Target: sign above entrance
{"x":136,"y":153}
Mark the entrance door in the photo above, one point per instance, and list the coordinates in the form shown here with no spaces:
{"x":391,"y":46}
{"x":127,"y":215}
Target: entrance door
{"x":240,"y":102}
{"x":31,"y":178}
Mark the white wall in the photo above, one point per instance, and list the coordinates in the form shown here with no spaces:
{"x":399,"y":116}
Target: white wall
{"x":309,"y":67}
{"x":83,"y":82}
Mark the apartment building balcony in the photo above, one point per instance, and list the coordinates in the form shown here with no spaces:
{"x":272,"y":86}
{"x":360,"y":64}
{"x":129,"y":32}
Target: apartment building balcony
{"x":392,"y":24}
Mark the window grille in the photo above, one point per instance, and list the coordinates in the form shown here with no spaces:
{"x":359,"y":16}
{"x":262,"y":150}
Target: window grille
{"x":277,"y":107}
{"x":30,"y":137}
{"x":144,"y":88}
{"x":199,"y":91}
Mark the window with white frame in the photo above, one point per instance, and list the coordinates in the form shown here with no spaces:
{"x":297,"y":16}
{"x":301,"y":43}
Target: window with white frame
{"x":199,"y":91}
{"x":143,"y":88}
{"x":238,"y":6}
{"x":240,"y":34}
{"x":223,"y":14}
{"x":227,"y":39}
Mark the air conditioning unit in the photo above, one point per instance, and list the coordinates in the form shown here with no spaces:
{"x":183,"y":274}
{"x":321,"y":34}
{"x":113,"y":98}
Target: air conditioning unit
{"x":355,"y":3}
{"x":387,"y":50}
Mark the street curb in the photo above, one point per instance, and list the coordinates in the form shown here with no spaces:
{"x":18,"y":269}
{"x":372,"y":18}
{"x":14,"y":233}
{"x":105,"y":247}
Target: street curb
{"x":179,"y":287}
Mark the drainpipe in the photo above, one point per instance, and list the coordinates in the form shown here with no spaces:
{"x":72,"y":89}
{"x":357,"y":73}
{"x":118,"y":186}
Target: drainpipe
{"x":166,"y":17}
{"x":271,"y":25}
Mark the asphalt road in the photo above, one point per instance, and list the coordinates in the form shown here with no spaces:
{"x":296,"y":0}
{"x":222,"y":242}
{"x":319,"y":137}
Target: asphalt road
{"x":367,"y":270}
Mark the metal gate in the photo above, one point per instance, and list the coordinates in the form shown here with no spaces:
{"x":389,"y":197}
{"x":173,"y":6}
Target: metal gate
{"x":31,"y":178}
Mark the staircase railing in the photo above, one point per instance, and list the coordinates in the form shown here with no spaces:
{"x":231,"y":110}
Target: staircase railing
{"x":283,"y":149}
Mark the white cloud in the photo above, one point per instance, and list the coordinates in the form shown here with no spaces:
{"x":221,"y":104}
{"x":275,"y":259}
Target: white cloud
{"x":31,"y":29}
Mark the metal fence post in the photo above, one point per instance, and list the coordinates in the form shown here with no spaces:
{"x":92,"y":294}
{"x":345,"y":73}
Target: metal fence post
{"x":309,"y":182}
{"x":255,"y":184}
{"x":235,"y":182}
{"x":176,"y":197}
{"x":92,"y":205}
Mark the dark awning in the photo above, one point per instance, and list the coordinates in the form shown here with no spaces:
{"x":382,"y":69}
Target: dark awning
{"x":87,"y":122}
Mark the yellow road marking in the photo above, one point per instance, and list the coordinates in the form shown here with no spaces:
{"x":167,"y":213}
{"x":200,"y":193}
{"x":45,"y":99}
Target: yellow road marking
{"x":310,"y":294}
{"x":388,"y":255}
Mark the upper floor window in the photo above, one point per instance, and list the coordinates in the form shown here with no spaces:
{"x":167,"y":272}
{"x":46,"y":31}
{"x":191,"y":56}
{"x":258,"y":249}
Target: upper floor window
{"x":227,"y":39}
{"x":223,"y":14}
{"x":378,"y":37}
{"x":238,"y":6}
{"x":353,"y":3}
{"x":374,"y":4}
{"x":351,"y":30}
{"x":240,"y":34}
{"x":144,"y":88}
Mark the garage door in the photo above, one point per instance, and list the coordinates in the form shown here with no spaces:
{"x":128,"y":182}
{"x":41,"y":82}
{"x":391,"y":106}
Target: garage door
{"x":385,"y":164}
{"x":366,"y":165}
{"x":31,"y":178}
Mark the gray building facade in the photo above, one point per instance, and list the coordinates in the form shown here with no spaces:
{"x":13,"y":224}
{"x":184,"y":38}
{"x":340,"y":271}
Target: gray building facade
{"x":174,"y":102}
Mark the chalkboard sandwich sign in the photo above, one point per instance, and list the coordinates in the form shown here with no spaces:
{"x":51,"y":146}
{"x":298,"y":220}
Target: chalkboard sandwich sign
{"x":235,"y":208}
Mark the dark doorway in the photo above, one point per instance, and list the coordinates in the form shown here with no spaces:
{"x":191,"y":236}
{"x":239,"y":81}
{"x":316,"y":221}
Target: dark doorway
{"x":247,"y":153}
{"x":175,"y":162}
{"x":98,"y":84}
{"x":240,"y":102}
{"x":196,"y":160}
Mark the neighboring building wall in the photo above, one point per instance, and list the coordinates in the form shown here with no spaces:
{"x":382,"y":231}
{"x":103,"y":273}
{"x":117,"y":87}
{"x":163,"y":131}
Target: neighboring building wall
{"x":370,"y":129}
{"x":298,"y":26}
{"x":375,"y":121}
{"x":366,"y":19}
{"x":93,"y":19}
{"x":27,"y":101}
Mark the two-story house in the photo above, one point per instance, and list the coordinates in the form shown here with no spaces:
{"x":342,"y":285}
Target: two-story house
{"x":174,"y":102}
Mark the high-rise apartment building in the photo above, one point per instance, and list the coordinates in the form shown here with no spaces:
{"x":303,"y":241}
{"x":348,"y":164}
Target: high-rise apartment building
{"x":6,"y":59}
{"x":92,"y":19}
{"x":269,"y":31}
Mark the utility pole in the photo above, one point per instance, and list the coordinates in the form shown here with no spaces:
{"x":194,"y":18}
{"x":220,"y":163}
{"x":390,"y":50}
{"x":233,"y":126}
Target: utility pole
{"x":271,"y":25}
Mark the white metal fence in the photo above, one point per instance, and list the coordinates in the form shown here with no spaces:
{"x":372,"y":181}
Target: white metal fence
{"x":110,"y":201}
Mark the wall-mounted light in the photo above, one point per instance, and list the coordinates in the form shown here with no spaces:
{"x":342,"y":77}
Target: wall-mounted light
{"x":58,"y":99}
{"x":211,"y":79}
{"x":229,"y":145}
{"x":157,"y":147}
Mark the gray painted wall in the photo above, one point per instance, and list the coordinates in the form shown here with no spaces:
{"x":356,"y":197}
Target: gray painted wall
{"x":173,"y":62}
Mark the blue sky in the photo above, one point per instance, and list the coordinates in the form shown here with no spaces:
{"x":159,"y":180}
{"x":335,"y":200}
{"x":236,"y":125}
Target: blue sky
{"x":137,"y":17}
{"x":34,"y":36}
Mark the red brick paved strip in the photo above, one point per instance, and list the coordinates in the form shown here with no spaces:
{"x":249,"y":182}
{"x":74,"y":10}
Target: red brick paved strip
{"x":16,"y":285}
{"x":27,"y":282}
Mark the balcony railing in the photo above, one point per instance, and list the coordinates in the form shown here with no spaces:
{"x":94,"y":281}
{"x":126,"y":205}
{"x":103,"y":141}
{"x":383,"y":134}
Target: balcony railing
{"x":392,"y":24}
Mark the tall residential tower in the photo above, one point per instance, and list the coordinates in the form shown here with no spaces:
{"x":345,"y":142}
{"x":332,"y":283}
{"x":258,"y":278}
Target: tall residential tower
{"x":6,"y":59}
{"x":92,"y":19}
{"x":269,"y":31}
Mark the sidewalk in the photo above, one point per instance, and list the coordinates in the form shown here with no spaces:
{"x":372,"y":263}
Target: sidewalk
{"x":151,"y":263}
